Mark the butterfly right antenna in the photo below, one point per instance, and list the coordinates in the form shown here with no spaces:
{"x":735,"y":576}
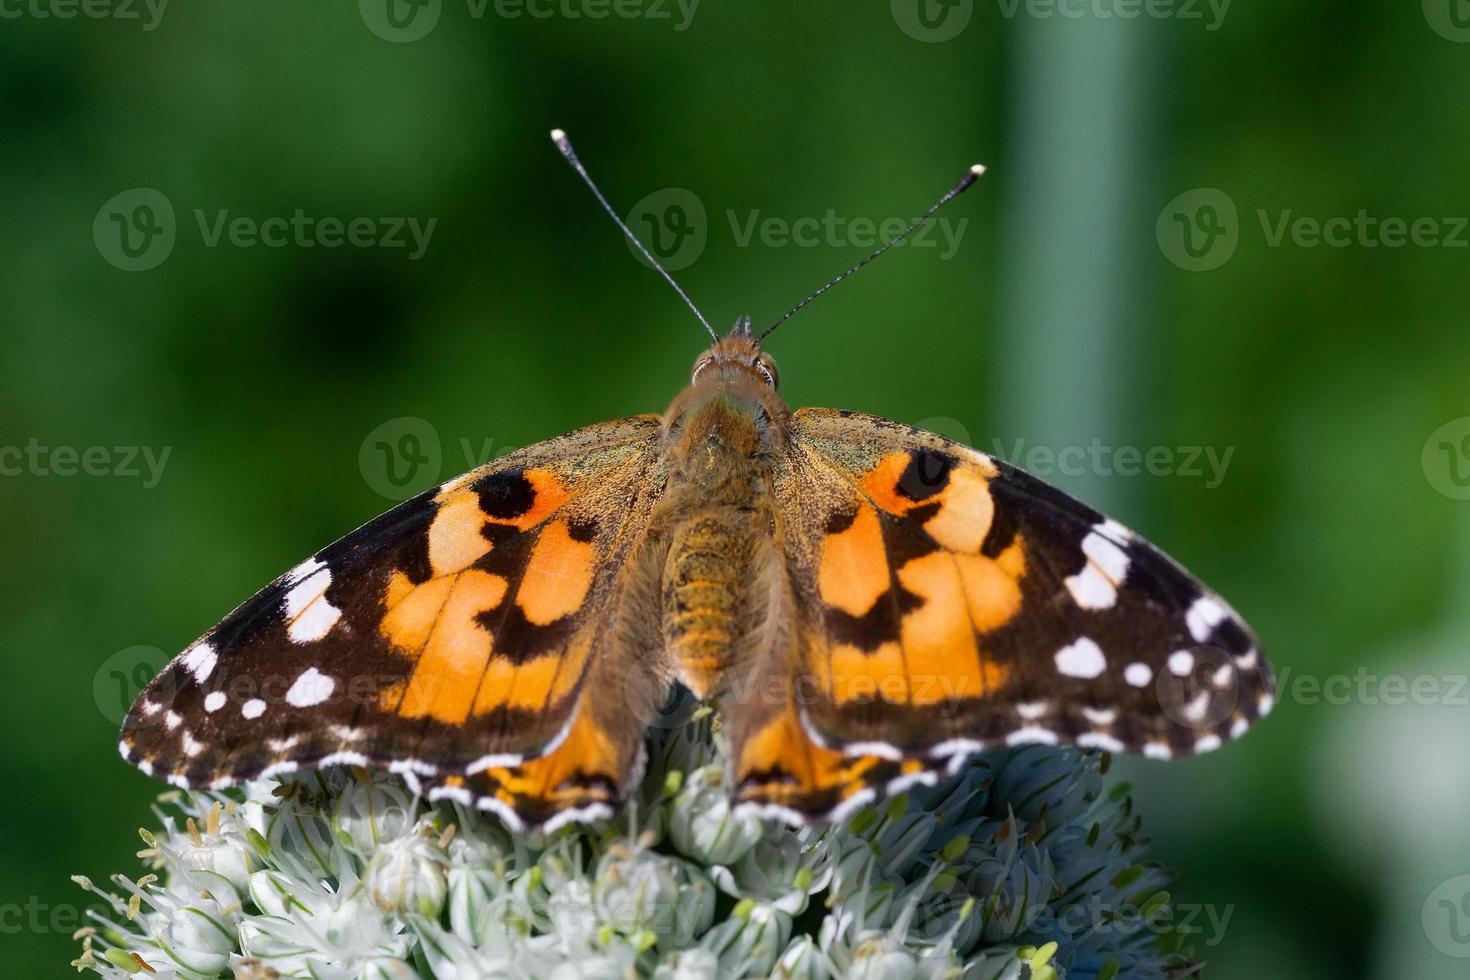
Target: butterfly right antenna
{"x":971,"y":175}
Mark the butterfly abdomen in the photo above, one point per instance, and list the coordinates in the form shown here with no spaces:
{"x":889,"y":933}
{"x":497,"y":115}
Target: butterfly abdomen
{"x":702,"y":585}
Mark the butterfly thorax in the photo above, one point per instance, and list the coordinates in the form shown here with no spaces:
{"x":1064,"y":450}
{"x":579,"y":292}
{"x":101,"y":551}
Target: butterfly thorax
{"x":715,"y":516}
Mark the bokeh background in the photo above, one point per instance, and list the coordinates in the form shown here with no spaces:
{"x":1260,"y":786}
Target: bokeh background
{"x":1287,"y":412}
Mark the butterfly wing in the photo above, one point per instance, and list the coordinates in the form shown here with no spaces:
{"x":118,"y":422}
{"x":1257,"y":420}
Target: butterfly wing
{"x":451,"y":639}
{"x":948,"y":603}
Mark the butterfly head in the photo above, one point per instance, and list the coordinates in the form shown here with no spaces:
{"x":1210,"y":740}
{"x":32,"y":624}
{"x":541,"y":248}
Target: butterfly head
{"x":734,"y":358}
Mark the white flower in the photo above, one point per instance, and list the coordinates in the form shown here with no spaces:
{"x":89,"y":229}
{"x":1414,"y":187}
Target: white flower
{"x":1015,"y":870}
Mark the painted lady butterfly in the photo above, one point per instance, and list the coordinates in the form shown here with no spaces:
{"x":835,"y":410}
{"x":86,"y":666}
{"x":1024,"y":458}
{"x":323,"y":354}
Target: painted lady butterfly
{"x":867,"y":604}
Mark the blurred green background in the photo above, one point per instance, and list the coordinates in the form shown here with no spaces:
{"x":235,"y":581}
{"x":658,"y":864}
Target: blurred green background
{"x":1133,"y":274}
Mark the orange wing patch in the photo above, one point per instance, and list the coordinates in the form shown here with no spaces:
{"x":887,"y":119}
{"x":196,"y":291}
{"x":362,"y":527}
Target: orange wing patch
{"x":854,"y":568}
{"x":779,"y":764}
{"x":902,"y":482}
{"x":857,"y":676}
{"x":438,"y":623}
{"x":558,"y":576}
{"x":941,"y":649}
{"x":456,"y":649}
{"x":532,"y":685}
{"x":579,"y":779}
{"x":456,"y":540}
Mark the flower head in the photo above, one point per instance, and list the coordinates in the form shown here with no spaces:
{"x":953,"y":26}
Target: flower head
{"x":1020,"y":866}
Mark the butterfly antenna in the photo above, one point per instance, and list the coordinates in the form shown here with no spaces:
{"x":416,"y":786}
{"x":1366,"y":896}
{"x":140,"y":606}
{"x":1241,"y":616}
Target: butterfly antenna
{"x":565,"y":145}
{"x":971,"y":175}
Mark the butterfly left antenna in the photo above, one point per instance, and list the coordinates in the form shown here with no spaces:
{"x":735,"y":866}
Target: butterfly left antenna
{"x":565,"y":145}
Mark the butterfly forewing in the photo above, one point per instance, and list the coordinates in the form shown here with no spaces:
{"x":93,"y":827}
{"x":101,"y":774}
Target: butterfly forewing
{"x":452,"y":639}
{"x":956,"y":603}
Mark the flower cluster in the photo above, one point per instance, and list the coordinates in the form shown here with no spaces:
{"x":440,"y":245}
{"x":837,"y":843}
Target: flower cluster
{"x":1020,"y":867}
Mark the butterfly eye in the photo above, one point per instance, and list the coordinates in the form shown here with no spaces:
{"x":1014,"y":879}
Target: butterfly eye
{"x":766,"y":365}
{"x":699,"y":366}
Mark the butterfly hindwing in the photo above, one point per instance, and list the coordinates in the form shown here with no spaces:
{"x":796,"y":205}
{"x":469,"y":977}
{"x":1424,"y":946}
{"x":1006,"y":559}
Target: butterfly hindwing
{"x":452,"y":639}
{"x":951,"y":603}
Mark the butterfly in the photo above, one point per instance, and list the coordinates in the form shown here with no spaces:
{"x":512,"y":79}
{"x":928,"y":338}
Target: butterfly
{"x":868,"y":605}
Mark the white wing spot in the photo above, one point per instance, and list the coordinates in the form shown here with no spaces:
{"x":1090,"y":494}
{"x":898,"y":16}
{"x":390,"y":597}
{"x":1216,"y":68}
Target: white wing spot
{"x":1265,"y":703}
{"x":458,"y":794}
{"x":1195,"y":710}
{"x":1202,"y":618}
{"x":213,"y":701}
{"x":1100,"y":716}
{"x":1157,"y":750}
{"x":172,"y":720}
{"x":1239,"y":728}
{"x":1083,"y":659}
{"x":1032,"y":710}
{"x":1138,"y":674}
{"x":311,"y":688}
{"x":253,"y":708}
{"x":1207,"y":743}
{"x":1096,"y":586}
{"x":1023,"y":736}
{"x":1181,"y":662}
{"x":306,"y":609}
{"x":199,"y":660}
{"x":1097,"y":740}
{"x":1091,"y":589}
{"x":192,"y":746}
{"x":1221,"y":677}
